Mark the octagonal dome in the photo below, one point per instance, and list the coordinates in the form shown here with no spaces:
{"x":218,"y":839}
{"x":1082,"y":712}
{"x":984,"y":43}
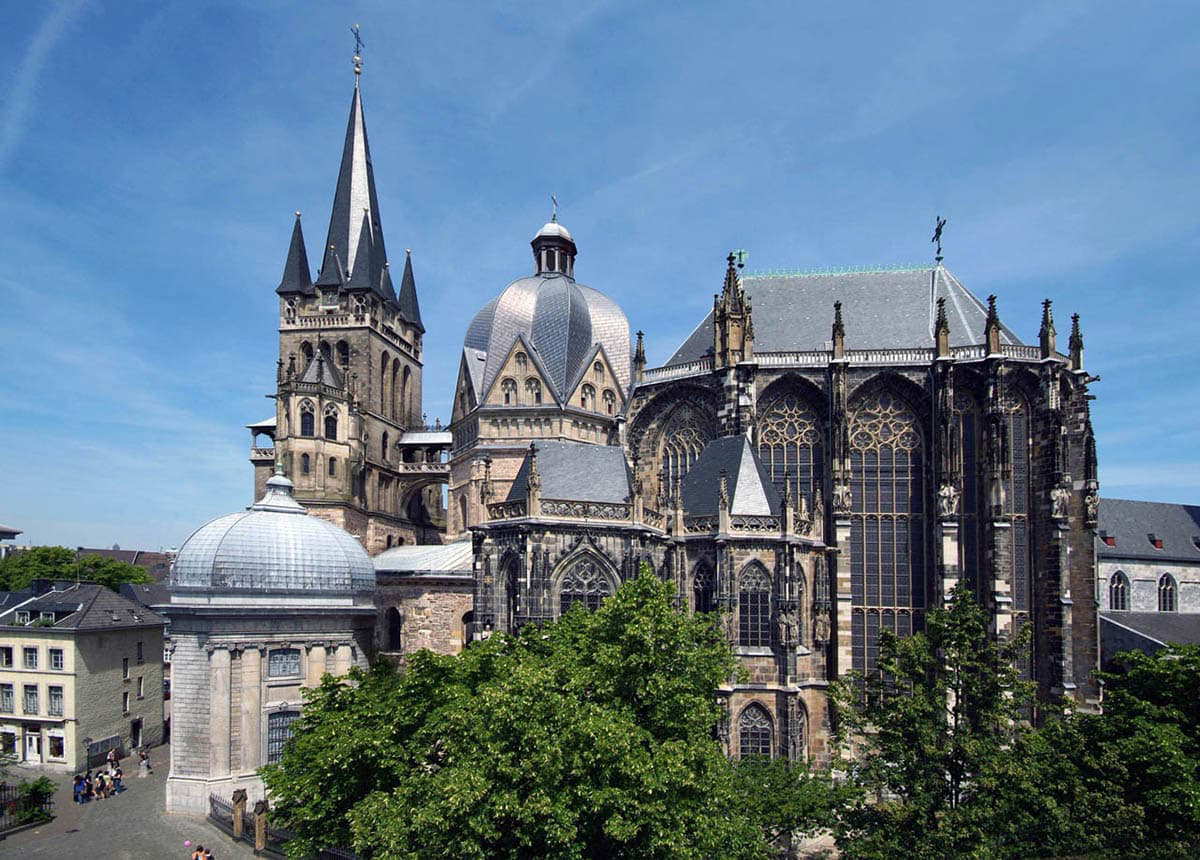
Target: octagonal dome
{"x":273,"y":546}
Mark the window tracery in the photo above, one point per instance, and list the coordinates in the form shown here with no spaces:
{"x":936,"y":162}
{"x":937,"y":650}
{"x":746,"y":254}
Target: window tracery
{"x":1118,"y":592}
{"x":968,"y":435}
{"x":704,"y":589}
{"x":1016,"y":475}
{"x":754,"y":607}
{"x":308,"y":419}
{"x":789,"y":441}
{"x":1166,"y":593}
{"x":331,"y":421}
{"x":682,"y":441}
{"x":755,"y":734}
{"x":584,"y":582}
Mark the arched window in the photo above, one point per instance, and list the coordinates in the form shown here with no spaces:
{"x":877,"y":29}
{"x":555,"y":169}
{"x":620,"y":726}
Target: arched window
{"x":968,"y":433}
{"x":789,"y":441}
{"x":1016,"y":497}
{"x":533,"y":391}
{"x":508,"y":388}
{"x":755,"y":735}
{"x":383,"y":446}
{"x":512,"y":592}
{"x":385,"y":362}
{"x":279,"y":732}
{"x":308,"y":418}
{"x":754,"y":607}
{"x":343,"y":353}
{"x":1118,"y":592}
{"x":598,"y":371}
{"x":331,"y":421}
{"x":326,"y":351}
{"x":1166,"y":593}
{"x":388,"y":542}
{"x":587,"y":397}
{"x":462,"y":510}
{"x":395,"y":407}
{"x":406,"y":410}
{"x":305,"y":464}
{"x":610,"y":402}
{"x":333,"y":467}
{"x":887,"y":522}
{"x":394,"y":625}
{"x":684,"y":438}
{"x":468,"y":619}
{"x":704,"y":589}
{"x":584,"y":583}
{"x":522,"y":362}
{"x":306,"y":350}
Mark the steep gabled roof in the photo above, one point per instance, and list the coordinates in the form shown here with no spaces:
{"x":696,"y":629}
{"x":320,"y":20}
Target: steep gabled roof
{"x":577,"y":472}
{"x":409,"y":307}
{"x":1130,"y":523}
{"x":322,"y":371}
{"x":297,"y":276}
{"x":355,"y":192}
{"x":88,"y":607}
{"x":750,"y":488}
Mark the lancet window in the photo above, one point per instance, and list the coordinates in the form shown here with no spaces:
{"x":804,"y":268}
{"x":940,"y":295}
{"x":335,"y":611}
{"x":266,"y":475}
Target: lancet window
{"x":887,"y":522}
{"x":610,"y":402}
{"x":533,"y":391}
{"x":587,"y":397}
{"x":331,"y":421}
{"x":789,"y":441}
{"x":308,"y":418}
{"x":1118,"y":592}
{"x":1166,"y":593}
{"x":704,"y":589}
{"x":754,"y":607}
{"x":585,"y":583}
{"x":968,"y":437}
{"x":755,"y":734}
{"x":682,"y":441}
{"x":1016,"y":495}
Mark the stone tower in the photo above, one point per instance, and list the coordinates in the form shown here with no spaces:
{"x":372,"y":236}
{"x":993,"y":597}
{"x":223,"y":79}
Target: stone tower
{"x":348,"y":427}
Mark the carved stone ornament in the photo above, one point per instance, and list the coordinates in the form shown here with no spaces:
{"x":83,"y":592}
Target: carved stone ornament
{"x":842,"y":499}
{"x":821,"y":627}
{"x":948,"y":500}
{"x":1059,"y":497}
{"x":1091,"y":506}
{"x":723,"y":722}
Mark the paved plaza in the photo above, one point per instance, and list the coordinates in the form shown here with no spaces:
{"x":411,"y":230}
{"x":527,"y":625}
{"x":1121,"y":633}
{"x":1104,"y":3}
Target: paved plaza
{"x":129,"y":825}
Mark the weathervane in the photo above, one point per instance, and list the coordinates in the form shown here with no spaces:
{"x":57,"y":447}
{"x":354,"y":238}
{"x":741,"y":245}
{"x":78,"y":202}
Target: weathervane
{"x":939,"y":225}
{"x":553,"y":208}
{"x":742,"y":255}
{"x":358,"y":46}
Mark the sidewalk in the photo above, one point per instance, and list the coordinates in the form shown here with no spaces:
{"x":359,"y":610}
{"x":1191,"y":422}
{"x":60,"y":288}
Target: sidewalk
{"x":129,"y":826}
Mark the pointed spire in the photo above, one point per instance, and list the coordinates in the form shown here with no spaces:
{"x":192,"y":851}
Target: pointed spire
{"x":639,"y":357}
{"x":839,"y":332}
{"x":355,"y":193}
{"x":410,"y":308}
{"x":361,"y":276}
{"x":332,"y":273}
{"x":733,"y":280}
{"x":941,"y":329}
{"x":1076,"y":344}
{"x":297,"y":277}
{"x":1047,"y":336}
{"x":991,"y":328}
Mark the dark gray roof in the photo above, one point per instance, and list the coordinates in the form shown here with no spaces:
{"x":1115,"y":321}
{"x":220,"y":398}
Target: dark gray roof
{"x":1132,"y":522}
{"x":332,"y":272}
{"x":153,"y":594}
{"x":91,"y":607}
{"x":297,"y":276}
{"x":321,"y":370}
{"x":410,"y":308}
{"x":578,"y":472}
{"x":750,"y":488}
{"x":1169,"y":628}
{"x":366,"y":274}
{"x":882,"y":310}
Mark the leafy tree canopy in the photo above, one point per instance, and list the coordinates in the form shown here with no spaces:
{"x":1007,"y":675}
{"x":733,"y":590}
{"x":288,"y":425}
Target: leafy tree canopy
{"x":57,"y":562}
{"x":589,"y":737}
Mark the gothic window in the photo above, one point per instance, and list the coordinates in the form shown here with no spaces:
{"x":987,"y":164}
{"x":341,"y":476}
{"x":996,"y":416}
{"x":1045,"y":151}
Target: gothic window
{"x":279,"y":732}
{"x":283,"y":663}
{"x":305,"y":464}
{"x":343,"y":353}
{"x":511,"y":592}
{"x":704,"y":589}
{"x":306,"y":350}
{"x":1016,"y":493}
{"x":383,"y":446}
{"x":385,"y":361}
{"x":1118,"y":592}
{"x":968,"y":430}
{"x":587,"y":397}
{"x":333,"y":467}
{"x":610,"y":402}
{"x":394,"y":626}
{"x":887,"y":522}
{"x":308,"y":418}
{"x":393,"y":405}
{"x":598,"y":371}
{"x":754,"y":607}
{"x":331,"y":421}
{"x":583,"y":583}
{"x":754,"y":732}
{"x":462,"y":510}
{"x":1166,"y":593}
{"x":533,"y":391}
{"x":789,"y":440}
{"x":406,"y":393}
{"x":522,"y":362}
{"x":326,"y":351}
{"x":683,"y":440}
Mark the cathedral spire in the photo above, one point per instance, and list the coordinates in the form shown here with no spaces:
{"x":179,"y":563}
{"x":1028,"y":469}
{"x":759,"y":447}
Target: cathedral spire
{"x":362,"y":275}
{"x":410,"y":308}
{"x":991,"y":328}
{"x":941,"y":329}
{"x":639,"y":357}
{"x":839,"y":332}
{"x":355,"y":192}
{"x":1076,"y":344}
{"x":1047,"y":336}
{"x":297,"y":277}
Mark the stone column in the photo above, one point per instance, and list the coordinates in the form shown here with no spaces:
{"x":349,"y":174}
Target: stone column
{"x":251,"y":709}
{"x":239,"y":813}
{"x":341,"y":660}
{"x":316,"y":664}
{"x":843,"y":654}
{"x":949,"y":562}
{"x":218,"y":712}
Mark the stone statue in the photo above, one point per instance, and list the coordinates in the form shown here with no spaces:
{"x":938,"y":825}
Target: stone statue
{"x":821,"y":627}
{"x":842,"y":499}
{"x":948,"y":500}
{"x":1059,"y":497}
{"x":1091,"y":506}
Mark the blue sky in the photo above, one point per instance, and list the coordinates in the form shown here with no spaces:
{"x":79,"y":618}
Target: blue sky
{"x":151,"y":155}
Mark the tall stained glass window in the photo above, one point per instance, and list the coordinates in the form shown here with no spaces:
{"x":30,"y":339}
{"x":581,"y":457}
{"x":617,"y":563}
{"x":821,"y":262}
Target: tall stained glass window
{"x":754,"y":607}
{"x":754,"y":733}
{"x":584,"y":583}
{"x":789,"y":441}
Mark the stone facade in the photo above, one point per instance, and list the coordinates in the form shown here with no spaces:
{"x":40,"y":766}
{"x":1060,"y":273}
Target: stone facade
{"x":423,"y":612}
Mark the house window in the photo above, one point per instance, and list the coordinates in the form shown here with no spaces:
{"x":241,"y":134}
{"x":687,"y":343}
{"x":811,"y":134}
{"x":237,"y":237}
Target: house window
{"x":305,"y":464}
{"x":1155,"y":541}
{"x":279,"y":732}
{"x":30,"y":657}
{"x":31,"y":699}
{"x":57,"y":748}
{"x":125,"y":702}
{"x":754,"y":733}
{"x":333,"y":467}
{"x":56,"y":658}
{"x":23,"y":618}
{"x":754,"y":608}
{"x":54,"y":701}
{"x":6,"y":699}
{"x":283,"y":663}
{"x":6,"y":657}
{"x":125,"y":668}
{"x":1166,"y":593}
{"x":141,"y":687}
{"x":140,"y":658}
{"x":383,"y":446}
{"x":1118,"y":592}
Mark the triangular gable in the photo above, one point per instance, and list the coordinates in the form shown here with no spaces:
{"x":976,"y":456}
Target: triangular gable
{"x":586,"y":376}
{"x":509,"y":369}
{"x":465,"y":385}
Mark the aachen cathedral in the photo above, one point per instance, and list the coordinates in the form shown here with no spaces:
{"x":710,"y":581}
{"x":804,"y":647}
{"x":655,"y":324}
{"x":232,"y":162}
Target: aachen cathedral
{"x":825,"y":457}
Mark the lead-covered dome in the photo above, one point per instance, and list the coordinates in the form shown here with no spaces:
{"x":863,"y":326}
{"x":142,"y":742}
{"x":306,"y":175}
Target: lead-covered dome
{"x":561,"y":320}
{"x":273,"y":546}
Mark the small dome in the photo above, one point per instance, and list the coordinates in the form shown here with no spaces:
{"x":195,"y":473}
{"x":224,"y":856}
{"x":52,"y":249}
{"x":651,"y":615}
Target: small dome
{"x":273,"y":546}
{"x":553,"y":228}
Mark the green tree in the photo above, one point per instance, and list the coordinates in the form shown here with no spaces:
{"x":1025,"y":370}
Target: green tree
{"x":57,"y":562}
{"x":589,"y":737}
{"x":942,"y":706}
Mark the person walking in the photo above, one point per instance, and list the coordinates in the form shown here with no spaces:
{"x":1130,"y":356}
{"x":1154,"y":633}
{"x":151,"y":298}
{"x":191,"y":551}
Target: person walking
{"x":143,"y":764}
{"x":112,"y":757}
{"x":88,"y":787}
{"x":118,"y":777}
{"x":198,"y":854}
{"x":77,"y":788}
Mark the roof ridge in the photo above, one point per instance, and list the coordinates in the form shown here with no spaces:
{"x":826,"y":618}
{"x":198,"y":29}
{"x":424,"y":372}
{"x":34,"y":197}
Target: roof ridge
{"x":786,"y":272}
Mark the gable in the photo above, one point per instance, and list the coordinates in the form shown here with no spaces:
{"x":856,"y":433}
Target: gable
{"x":520,"y":378}
{"x":595,"y":380}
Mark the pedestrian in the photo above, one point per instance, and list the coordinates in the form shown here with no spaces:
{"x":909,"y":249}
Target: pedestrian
{"x":143,"y":765}
{"x":207,"y":854}
{"x":77,"y":788}
{"x":198,"y":854}
{"x":118,"y":776}
{"x":88,"y":787}
{"x":112,"y":757}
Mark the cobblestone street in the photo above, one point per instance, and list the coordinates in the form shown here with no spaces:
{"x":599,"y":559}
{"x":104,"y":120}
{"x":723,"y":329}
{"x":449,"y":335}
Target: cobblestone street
{"x":131,"y":824}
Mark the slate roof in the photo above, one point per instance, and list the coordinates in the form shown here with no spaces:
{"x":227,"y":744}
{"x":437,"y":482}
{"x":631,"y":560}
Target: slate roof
{"x":407,"y":302}
{"x":297,"y":276}
{"x":577,"y":472}
{"x":1167,"y":628}
{"x":450,"y":559}
{"x":882,"y":310}
{"x":750,"y":488}
{"x":1131,"y":522}
{"x":91,"y":607}
{"x":320,"y":370}
{"x":153,"y":594}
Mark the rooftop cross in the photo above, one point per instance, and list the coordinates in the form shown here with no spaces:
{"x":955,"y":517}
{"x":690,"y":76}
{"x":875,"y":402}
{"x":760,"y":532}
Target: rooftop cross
{"x":741,"y":254}
{"x":553,"y":208}
{"x":939,"y":225}
{"x":358,"y":46}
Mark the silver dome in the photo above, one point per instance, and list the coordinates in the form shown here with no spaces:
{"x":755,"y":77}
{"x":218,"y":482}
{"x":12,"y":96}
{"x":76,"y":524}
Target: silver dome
{"x":553,"y":228}
{"x":561,"y":320}
{"x":273,"y":546}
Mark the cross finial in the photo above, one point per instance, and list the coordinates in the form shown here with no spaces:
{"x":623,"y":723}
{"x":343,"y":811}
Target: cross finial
{"x":358,"y":46}
{"x":741,"y":254}
{"x":553,"y":208}
{"x":938,"y":226}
